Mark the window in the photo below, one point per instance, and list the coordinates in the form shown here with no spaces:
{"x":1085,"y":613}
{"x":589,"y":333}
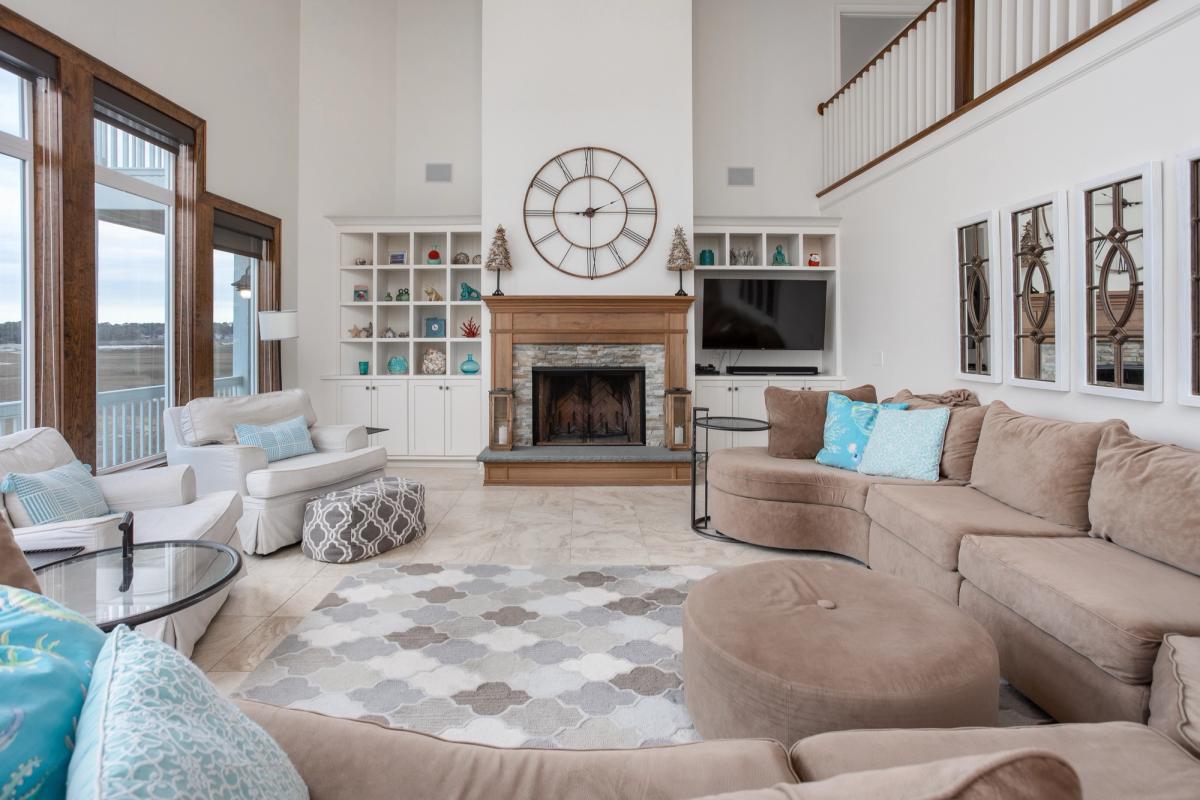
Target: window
{"x":977,"y":284}
{"x":235,"y":284}
{"x":1120,"y":292}
{"x":1035,"y":279}
{"x":134,"y":265}
{"x":16,"y":153}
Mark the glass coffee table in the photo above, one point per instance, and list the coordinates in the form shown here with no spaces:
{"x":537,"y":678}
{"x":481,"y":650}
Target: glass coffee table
{"x":702,"y":421}
{"x":155,"y":580}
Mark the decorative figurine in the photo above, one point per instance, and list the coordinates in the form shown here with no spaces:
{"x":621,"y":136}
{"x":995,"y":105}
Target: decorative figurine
{"x":780,"y":258}
{"x":390,"y":333}
{"x":368,"y":331}
{"x":470,"y":329}
{"x":433,"y":295}
{"x":361,"y":295}
{"x":397,"y":365}
{"x":498,"y":259}
{"x":433,"y":362}
{"x":814,"y":259}
{"x":387,"y":297}
{"x":680,"y":258}
{"x":403,"y":296}
{"x":434,"y":327}
{"x":470,"y":366}
{"x":465,"y":292}
{"x":433,"y":257}
{"x":460,"y":258}
{"x":477,"y":259}
{"x":360,"y":262}
{"x":355,"y":332}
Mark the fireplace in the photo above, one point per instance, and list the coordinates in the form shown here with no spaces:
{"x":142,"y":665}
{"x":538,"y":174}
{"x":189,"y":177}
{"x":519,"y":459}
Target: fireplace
{"x":589,"y":405}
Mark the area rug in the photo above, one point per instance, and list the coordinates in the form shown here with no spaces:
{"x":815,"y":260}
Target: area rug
{"x":545,"y":656}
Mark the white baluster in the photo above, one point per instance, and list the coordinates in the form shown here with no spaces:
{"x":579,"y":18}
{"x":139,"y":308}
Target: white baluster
{"x":1059,"y":24}
{"x":1040,"y":40}
{"x":937,"y":23}
{"x":980,"y":48}
{"x":1100,"y":11}
{"x":1077,"y":18}
{"x":1024,"y":34}
{"x":1008,"y":39}
{"x":994,"y":12}
{"x":949,"y":55}
{"x":931,"y":70}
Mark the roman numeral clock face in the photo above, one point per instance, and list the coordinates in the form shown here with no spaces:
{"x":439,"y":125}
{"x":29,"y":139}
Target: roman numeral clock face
{"x":590,"y":212}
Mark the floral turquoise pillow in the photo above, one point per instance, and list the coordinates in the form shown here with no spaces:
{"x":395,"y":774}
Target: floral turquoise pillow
{"x":46,"y":658}
{"x":154,"y":726}
{"x":280,"y":439}
{"x":56,"y":495}
{"x":907,"y":444}
{"x":848,"y":426}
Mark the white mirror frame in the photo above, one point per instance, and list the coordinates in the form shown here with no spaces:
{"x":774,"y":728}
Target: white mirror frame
{"x":996,"y":300}
{"x":1062,"y":294}
{"x":1151,"y":175}
{"x":1183,"y":178}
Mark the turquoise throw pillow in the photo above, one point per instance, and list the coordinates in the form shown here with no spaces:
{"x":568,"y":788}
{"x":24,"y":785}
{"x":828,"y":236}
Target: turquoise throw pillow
{"x":280,"y":439}
{"x":153,"y":726}
{"x":848,"y":426}
{"x":58,"y":495}
{"x":907,"y":444}
{"x":46,"y":658}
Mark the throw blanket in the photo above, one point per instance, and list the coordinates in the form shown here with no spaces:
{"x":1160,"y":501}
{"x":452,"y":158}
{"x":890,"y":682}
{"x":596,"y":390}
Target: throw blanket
{"x":954,"y":398}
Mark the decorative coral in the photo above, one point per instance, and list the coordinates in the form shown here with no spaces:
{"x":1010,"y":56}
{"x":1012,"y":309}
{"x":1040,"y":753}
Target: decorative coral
{"x":470,"y":329}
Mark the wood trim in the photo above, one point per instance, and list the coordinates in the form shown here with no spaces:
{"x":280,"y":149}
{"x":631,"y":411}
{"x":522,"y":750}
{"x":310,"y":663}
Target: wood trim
{"x":192,"y":348}
{"x":964,"y":52}
{"x":200,"y":325}
{"x":1040,"y":64}
{"x":539,"y":304}
{"x":47,"y":334}
{"x":588,"y":473}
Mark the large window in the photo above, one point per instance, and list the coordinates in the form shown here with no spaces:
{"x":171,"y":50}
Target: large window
{"x":16,"y":151}
{"x":1036,"y":277}
{"x":235,"y":284}
{"x":134,"y":258}
{"x":977,"y":288}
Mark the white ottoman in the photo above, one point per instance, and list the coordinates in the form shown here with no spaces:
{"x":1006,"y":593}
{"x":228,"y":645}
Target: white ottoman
{"x":364,"y":520}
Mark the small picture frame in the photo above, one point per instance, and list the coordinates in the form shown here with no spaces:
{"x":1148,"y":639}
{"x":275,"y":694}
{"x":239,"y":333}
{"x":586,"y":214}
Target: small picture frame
{"x":435,"y":327}
{"x":398,"y":257}
{"x":361,"y":295}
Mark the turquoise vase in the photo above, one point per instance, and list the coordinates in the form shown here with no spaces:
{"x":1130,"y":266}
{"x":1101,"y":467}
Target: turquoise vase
{"x":470,"y":366}
{"x":397,"y":365}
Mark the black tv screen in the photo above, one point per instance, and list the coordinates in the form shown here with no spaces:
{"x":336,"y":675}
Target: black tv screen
{"x":759,"y":314}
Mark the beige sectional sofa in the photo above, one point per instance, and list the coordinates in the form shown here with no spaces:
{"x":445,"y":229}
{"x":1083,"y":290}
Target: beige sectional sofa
{"x":1076,"y":545}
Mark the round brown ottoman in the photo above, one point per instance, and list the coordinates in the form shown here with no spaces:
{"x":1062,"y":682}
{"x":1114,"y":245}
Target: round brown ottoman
{"x":786,"y":649}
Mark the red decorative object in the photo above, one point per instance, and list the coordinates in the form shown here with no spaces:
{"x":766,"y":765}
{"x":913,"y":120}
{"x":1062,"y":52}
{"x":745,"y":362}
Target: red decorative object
{"x":470,"y":329}
{"x":434,"y":256}
{"x":814,"y":259}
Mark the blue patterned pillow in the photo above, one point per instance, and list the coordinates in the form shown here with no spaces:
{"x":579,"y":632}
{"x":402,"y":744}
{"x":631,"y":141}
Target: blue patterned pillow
{"x":58,"y":495}
{"x":46,"y":658}
{"x":280,"y":439}
{"x":848,"y":426}
{"x":154,"y":726}
{"x":907,"y":444}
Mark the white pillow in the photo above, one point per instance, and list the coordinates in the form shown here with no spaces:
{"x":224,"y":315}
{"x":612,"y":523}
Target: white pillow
{"x":210,"y":420}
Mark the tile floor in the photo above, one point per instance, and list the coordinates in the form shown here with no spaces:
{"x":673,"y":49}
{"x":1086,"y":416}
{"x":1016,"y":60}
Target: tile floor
{"x":469,"y":524}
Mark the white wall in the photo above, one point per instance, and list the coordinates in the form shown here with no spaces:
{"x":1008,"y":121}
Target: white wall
{"x":232,"y":63}
{"x":1115,"y":103}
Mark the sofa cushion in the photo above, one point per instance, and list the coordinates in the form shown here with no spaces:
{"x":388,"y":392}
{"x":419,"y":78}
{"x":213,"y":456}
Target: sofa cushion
{"x":1108,"y":604}
{"x":907,"y":444}
{"x":1011,"y":774}
{"x":797,"y":418}
{"x":1135,"y":498}
{"x":280,"y":440}
{"x":1175,"y":692}
{"x":31,"y":450}
{"x":349,"y":758}
{"x":1114,"y":760}
{"x":962,"y":434}
{"x":61,"y":494}
{"x":1041,"y":466}
{"x":313,"y":471}
{"x":210,"y":420}
{"x":934,"y":519}
{"x":751,"y":472}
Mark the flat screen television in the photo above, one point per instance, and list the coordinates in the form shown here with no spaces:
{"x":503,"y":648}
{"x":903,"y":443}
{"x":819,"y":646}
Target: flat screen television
{"x":763,"y":314}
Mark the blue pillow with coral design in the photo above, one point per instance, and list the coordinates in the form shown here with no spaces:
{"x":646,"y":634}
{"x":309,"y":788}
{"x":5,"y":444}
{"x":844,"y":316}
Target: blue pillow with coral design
{"x":848,"y":426}
{"x":47,"y":653}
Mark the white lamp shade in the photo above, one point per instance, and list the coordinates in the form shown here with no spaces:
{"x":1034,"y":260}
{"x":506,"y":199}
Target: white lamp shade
{"x":276,"y":325}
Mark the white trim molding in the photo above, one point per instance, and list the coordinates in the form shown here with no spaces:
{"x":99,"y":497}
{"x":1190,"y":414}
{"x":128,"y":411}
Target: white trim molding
{"x":1152,"y":289}
{"x":1186,"y":208}
{"x":1061,"y":281}
{"x":996,"y":360}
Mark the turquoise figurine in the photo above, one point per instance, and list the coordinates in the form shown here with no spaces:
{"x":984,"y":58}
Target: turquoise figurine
{"x":470,"y":366}
{"x":465,"y":292}
{"x":780,"y":258}
{"x":397,"y":365}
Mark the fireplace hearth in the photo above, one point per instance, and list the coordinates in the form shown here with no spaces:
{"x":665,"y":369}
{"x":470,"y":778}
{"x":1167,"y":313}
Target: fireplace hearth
{"x":589,"y":405}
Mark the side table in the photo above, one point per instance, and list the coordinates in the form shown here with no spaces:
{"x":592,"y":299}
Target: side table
{"x":702,"y":421}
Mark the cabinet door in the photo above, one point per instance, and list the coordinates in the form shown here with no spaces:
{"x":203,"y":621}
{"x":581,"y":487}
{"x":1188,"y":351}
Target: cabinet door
{"x":391,"y":412}
{"x":749,"y":400}
{"x":427,"y":417}
{"x":464,"y":411}
{"x":354,"y":403}
{"x":792,"y":384}
{"x":717,"y":397}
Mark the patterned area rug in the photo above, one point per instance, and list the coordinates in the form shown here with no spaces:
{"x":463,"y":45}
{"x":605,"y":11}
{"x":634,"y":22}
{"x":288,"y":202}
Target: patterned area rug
{"x":546,"y":656}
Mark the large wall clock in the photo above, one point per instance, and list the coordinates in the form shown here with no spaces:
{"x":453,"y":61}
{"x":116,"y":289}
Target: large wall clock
{"x":590,"y":212}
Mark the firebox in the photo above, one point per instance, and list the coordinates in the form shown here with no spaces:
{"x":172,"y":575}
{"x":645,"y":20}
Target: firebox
{"x":589,"y":405}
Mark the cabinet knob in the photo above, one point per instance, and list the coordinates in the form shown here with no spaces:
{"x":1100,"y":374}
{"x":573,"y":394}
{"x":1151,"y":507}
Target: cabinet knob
{"x":729,"y":388}
{"x":737,"y":388}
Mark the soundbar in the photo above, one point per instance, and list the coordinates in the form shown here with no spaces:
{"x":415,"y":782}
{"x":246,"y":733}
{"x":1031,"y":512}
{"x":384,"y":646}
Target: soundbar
{"x":770,"y":370}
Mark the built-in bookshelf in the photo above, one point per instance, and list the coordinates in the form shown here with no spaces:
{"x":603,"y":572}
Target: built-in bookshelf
{"x":376,"y":265}
{"x":730,"y":244}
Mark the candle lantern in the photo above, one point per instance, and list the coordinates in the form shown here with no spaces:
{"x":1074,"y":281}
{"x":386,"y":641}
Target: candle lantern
{"x":678,"y":419}
{"x":500,"y":436}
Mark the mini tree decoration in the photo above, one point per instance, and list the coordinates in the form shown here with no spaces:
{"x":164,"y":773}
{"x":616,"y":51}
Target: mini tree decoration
{"x":470,"y":329}
{"x":680,"y":258}
{"x":498,"y":259}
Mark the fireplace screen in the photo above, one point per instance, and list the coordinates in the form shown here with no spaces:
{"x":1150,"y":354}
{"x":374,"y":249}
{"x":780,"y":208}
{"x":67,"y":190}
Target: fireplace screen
{"x":589,"y":405}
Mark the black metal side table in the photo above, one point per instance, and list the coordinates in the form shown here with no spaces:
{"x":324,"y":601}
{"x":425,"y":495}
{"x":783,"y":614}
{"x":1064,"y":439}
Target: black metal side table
{"x":702,"y":421}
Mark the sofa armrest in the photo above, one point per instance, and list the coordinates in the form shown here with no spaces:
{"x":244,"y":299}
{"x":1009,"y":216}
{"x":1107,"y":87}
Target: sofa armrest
{"x":220,"y":467}
{"x":149,"y":488}
{"x":95,"y":533}
{"x":338,"y":438}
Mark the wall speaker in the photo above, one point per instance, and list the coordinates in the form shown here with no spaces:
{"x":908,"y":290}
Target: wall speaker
{"x":438,"y":173}
{"x":741,"y":176}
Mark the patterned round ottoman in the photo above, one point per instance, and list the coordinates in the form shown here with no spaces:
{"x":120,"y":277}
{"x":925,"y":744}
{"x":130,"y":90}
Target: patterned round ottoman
{"x":364,"y":520}
{"x":787,"y":649}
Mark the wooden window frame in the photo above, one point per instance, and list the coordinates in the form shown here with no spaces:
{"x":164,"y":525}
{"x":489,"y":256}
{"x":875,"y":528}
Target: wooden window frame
{"x":995,"y":326}
{"x":1061,"y":281}
{"x":1188,"y":183}
{"x":1151,"y":175}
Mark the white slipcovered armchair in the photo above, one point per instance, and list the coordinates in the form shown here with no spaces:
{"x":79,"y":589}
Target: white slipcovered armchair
{"x":274,"y":494}
{"x":165,"y":507}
